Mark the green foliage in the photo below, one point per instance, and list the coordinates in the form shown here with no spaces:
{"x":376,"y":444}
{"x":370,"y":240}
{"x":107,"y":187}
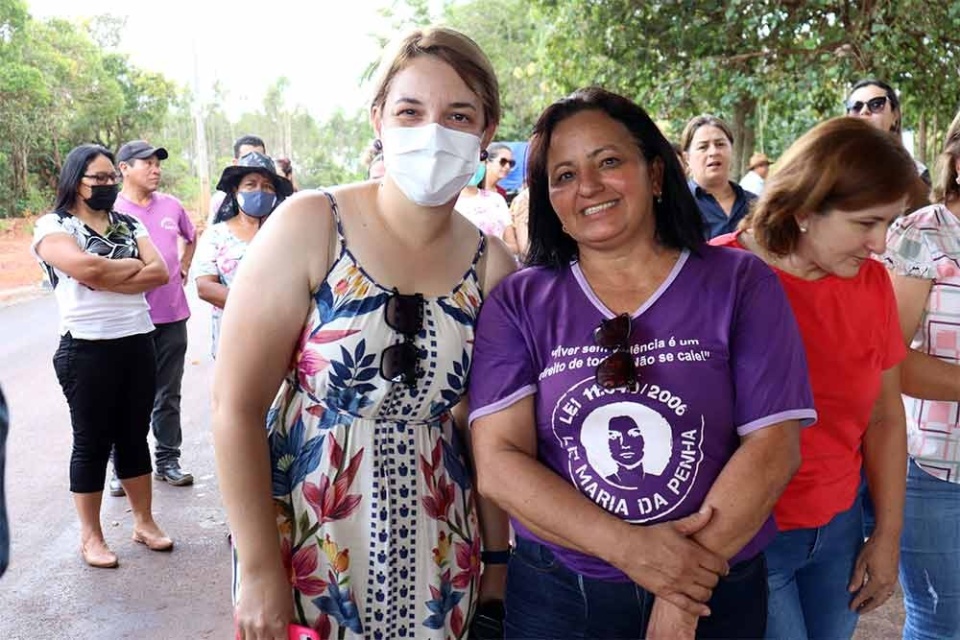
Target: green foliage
{"x":789,"y":61}
{"x":508,"y":34}
{"x":59,"y":88}
{"x":323,"y":153}
{"x":771,"y":68}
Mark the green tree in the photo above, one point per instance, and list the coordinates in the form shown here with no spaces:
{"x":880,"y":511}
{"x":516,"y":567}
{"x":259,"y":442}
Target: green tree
{"x":331,"y":152}
{"x":507,"y":31}
{"x":793,"y":59}
{"x":59,"y":87}
{"x":24,"y":97}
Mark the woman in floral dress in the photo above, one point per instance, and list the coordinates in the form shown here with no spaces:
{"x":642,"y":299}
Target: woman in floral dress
{"x":360,"y":305}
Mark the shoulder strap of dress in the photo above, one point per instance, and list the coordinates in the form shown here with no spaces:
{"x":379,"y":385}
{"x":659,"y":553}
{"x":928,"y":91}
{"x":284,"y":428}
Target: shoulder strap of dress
{"x":338,"y":241}
{"x":335,"y":210}
{"x":479,"y":264}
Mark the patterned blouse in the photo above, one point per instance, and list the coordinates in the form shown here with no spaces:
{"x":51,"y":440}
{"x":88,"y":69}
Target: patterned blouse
{"x":487,"y":210}
{"x":219,"y":253}
{"x":926,"y":245}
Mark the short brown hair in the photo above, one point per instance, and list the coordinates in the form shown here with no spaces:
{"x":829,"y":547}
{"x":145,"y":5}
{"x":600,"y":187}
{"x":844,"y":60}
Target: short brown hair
{"x":454,"y":48}
{"x":842,"y":163}
{"x":703,"y":120}
{"x":945,"y":187}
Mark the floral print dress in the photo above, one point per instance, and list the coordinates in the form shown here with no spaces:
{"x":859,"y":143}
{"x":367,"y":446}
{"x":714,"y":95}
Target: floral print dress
{"x":373,"y":494}
{"x":219,"y":253}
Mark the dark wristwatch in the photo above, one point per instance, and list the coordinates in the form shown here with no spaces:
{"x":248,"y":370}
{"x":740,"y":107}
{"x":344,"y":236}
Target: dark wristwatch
{"x":495,"y":557}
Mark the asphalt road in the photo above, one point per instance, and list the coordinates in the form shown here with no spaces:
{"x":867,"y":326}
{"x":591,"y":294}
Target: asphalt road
{"x":48,"y":592}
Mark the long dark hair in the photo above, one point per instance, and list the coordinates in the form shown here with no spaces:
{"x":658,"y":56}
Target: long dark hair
{"x":677,"y":217}
{"x":74,"y":166}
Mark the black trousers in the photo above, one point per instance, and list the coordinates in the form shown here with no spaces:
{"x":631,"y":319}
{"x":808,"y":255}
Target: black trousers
{"x":170,"y":345}
{"x":109,"y":386}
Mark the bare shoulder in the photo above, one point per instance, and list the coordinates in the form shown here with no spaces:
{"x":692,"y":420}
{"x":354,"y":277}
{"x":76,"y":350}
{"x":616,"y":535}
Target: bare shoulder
{"x":298,"y":233}
{"x":499,"y":263}
{"x":354,"y":198}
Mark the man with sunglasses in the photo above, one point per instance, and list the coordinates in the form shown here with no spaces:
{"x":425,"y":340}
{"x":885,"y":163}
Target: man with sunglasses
{"x":876,"y":102}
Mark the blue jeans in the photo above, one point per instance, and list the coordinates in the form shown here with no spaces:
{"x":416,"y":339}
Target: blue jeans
{"x":808,"y":571}
{"x":544,"y":599}
{"x":930,"y":557}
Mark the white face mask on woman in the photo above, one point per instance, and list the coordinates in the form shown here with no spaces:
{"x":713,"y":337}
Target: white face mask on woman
{"x":430,"y":164}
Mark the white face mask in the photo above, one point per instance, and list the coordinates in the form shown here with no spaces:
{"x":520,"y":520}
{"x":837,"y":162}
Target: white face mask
{"x":430,"y":164}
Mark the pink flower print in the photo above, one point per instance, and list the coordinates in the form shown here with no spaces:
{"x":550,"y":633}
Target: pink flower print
{"x":300,"y":568}
{"x":468,"y":561}
{"x":309,"y":363}
{"x":322,"y":626}
{"x":946,"y":269}
{"x":229,"y":267}
{"x":441,"y":498}
{"x":441,"y":493}
{"x":332,"y":500}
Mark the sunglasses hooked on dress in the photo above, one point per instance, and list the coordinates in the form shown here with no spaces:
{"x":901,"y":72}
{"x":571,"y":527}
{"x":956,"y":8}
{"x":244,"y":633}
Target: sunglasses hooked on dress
{"x":403,"y":314}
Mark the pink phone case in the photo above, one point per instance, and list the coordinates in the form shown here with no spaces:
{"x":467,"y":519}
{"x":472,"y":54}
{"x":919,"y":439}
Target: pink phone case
{"x":296,"y":632}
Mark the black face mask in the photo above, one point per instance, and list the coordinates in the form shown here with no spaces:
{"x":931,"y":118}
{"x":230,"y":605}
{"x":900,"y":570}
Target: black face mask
{"x":102,"y":197}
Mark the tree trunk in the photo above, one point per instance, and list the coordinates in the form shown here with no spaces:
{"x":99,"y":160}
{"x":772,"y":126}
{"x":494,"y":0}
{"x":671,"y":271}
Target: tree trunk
{"x":922,"y":138}
{"x":743,"y":134}
{"x":937,"y":146}
{"x":20,"y":178}
{"x":749,"y":138}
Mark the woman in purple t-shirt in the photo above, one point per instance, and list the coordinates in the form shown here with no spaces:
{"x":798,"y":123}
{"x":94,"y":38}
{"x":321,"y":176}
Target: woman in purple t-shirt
{"x":636,"y":395}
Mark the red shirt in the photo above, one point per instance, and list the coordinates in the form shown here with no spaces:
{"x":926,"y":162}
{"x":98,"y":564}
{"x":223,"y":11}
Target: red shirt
{"x":851,"y":332}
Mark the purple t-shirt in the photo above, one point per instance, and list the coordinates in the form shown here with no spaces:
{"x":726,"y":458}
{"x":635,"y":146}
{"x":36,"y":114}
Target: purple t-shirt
{"x":719,"y":356}
{"x":167,"y":222}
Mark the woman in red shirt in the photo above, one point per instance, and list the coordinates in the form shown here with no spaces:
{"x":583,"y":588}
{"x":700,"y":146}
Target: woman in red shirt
{"x":824,"y":211}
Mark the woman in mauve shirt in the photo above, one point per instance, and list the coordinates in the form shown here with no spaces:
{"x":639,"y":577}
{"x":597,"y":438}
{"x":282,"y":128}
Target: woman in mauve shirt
{"x":824,"y":211}
{"x":636,"y":396}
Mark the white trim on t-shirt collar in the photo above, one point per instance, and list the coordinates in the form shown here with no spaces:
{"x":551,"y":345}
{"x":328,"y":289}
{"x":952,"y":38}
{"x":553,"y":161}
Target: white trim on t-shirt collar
{"x":607,"y":313}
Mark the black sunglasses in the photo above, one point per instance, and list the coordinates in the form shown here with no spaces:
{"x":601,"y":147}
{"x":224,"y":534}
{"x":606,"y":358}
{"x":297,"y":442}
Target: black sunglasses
{"x":875,"y":105}
{"x":617,"y":369}
{"x":404,"y":314}
{"x":504,"y":162}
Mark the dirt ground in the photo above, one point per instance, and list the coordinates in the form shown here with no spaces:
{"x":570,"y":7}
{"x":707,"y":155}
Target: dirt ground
{"x":18,"y":267}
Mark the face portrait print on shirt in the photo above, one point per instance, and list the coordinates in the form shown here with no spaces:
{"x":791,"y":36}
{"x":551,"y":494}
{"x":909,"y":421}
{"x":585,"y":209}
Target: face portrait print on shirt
{"x":619,"y":443}
{"x":636,"y":454}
